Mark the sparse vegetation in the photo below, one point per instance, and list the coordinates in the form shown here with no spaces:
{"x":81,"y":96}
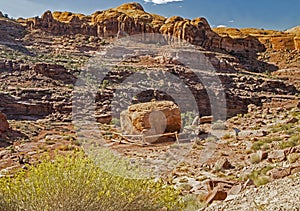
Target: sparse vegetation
{"x":227,"y":136}
{"x":291,"y":142}
{"x":292,"y":158}
{"x":219,"y":125}
{"x":211,"y":139}
{"x":255,"y":158}
{"x":187,"y":118}
{"x":289,"y":128}
{"x":76,"y":183}
{"x":259,"y":176}
{"x":262,"y":144}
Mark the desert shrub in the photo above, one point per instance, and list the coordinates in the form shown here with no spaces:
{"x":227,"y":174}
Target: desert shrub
{"x":188,"y":118}
{"x":293,"y":157}
{"x":289,"y":128}
{"x":291,"y":142}
{"x":263,"y":142}
{"x":259,"y":176}
{"x":211,"y":139}
{"x":219,"y":125}
{"x":76,"y":183}
{"x":227,"y":136}
{"x":255,"y":158}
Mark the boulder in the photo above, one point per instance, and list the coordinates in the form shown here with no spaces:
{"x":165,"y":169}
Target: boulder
{"x":216,"y":195}
{"x":206,"y":119}
{"x":222,"y":164}
{"x":279,"y":173}
{"x":277,"y":155}
{"x":150,"y":119}
{"x":219,"y":189}
{"x":4,"y":126}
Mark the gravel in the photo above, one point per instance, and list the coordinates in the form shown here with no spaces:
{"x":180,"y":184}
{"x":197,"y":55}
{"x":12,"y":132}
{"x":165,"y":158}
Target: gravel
{"x":282,"y":194}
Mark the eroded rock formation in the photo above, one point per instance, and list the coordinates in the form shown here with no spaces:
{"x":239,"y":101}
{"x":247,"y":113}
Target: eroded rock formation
{"x":288,"y":40}
{"x":129,"y":19}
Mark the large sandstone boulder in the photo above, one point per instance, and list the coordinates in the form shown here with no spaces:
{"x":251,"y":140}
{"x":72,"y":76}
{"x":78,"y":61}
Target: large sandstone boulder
{"x":4,"y":126}
{"x":150,"y":119}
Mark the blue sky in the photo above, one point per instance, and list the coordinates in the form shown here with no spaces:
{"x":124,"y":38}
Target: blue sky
{"x":268,"y":14}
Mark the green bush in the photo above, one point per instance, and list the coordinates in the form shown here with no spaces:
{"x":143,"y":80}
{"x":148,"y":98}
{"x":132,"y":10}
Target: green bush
{"x":188,"y":118}
{"x":259,"y":176}
{"x":263,"y":142}
{"x":76,"y":183}
{"x":291,"y":142}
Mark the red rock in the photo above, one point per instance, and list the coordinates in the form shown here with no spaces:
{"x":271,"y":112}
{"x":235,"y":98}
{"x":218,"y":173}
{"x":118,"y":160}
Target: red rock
{"x":4,"y":126}
{"x":151,"y":118}
{"x":277,"y":155}
{"x":295,"y":168}
{"x":130,"y":18}
{"x":223,"y":163}
{"x":215,"y":195}
{"x":206,"y":119}
{"x":279,"y":173}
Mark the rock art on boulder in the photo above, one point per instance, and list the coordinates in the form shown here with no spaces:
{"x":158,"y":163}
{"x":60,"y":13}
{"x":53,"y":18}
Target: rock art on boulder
{"x":150,"y":119}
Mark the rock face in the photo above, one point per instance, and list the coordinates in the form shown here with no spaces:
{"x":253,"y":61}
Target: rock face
{"x":288,"y":40}
{"x":129,"y":19}
{"x":152,"y":118}
{"x":4,"y":126}
{"x":54,"y":71}
{"x":10,"y":30}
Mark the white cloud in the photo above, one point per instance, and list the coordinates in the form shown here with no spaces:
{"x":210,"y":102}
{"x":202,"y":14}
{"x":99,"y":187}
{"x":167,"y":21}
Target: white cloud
{"x":221,"y":26}
{"x":231,"y":21}
{"x":162,"y":1}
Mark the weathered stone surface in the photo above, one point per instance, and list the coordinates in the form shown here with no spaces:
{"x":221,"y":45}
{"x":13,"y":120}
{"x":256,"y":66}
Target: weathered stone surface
{"x":269,"y":38}
{"x":279,"y":173}
{"x":152,"y":118}
{"x":277,"y":155}
{"x":54,"y":71}
{"x":132,"y":19}
{"x":206,"y":119}
{"x":4,"y":126}
{"x":219,"y":189}
{"x":216,"y":195}
{"x":222,"y":164}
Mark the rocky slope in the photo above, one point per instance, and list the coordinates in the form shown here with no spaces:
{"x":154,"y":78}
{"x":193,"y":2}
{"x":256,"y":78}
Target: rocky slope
{"x":66,"y":38}
{"x":41,"y":58}
{"x":282,"y":48}
{"x":273,"y":196}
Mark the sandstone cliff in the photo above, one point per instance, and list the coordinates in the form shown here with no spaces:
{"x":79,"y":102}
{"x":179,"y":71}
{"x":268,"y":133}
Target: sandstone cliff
{"x":271,"y":39}
{"x":129,"y":19}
